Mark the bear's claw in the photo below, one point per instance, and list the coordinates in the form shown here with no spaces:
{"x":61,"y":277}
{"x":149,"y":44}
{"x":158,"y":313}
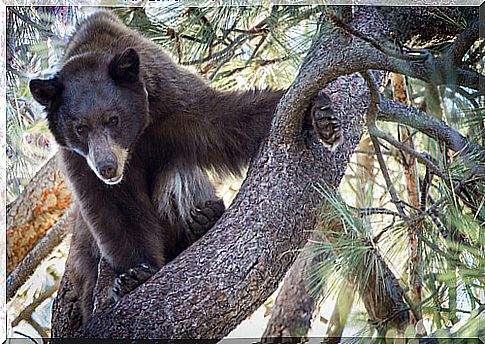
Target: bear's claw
{"x":202,"y":218}
{"x":131,"y":279}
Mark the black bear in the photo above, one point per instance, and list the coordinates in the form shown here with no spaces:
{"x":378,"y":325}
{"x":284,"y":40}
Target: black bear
{"x":137,"y":134}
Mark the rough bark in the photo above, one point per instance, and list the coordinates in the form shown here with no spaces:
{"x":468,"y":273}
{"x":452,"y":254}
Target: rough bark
{"x":294,"y":306}
{"x":427,"y":25}
{"x":40,"y":205}
{"x":290,"y":315}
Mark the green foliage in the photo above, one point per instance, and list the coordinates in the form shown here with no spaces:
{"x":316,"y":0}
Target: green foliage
{"x":234,"y":47}
{"x":35,"y":42}
{"x":449,"y":224}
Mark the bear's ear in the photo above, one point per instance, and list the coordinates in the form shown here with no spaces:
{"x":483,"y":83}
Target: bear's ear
{"x":125,"y":66}
{"x":45,"y":91}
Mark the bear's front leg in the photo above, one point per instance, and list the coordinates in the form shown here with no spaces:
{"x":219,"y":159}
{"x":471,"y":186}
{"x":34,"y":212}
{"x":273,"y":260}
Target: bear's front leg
{"x":127,"y":232}
{"x":128,"y":281}
{"x":202,"y":218}
{"x":325,"y":123}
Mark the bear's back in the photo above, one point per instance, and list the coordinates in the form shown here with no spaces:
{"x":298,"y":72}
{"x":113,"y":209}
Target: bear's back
{"x":102,"y":32}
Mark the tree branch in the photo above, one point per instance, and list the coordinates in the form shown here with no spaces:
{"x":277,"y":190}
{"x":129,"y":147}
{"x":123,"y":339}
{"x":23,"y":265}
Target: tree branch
{"x":395,"y":112}
{"x":462,"y":44}
{"x":40,"y":205}
{"x":293,"y":309}
{"x":26,"y":314}
{"x":424,"y":65}
{"x":51,"y":239}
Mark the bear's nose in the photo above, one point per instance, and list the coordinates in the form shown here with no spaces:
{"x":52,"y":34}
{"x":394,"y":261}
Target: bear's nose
{"x":107,"y":168}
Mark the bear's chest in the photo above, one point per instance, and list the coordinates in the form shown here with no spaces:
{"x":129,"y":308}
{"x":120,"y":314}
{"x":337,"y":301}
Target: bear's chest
{"x":177,"y":190}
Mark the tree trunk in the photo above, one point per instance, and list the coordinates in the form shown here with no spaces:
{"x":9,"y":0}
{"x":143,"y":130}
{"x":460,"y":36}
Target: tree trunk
{"x":294,"y":304}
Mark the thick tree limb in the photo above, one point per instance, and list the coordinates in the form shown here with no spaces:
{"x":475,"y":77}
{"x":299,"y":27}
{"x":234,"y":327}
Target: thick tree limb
{"x":294,"y":306}
{"x":392,"y":111}
{"x":423,"y":26}
{"x":462,"y":43}
{"x":438,"y":70}
{"x":51,"y":239}
{"x":40,"y":205}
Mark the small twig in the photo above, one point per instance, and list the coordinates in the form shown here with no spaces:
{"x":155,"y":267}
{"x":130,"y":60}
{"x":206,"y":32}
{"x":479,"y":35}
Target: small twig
{"x":40,"y":330}
{"x":444,"y":309}
{"x":376,"y":211}
{"x":27,"y":311}
{"x":220,"y":54}
{"x":392,"y":190}
{"x":435,"y":205}
{"x":258,"y":64}
{"x":420,"y":156}
{"x":378,"y":236}
{"x":234,"y":44}
{"x":253,"y":31}
{"x":31,"y":22}
{"x":173,"y":34}
{"x":221,"y":64}
{"x":256,"y":49}
{"x":371,"y":125}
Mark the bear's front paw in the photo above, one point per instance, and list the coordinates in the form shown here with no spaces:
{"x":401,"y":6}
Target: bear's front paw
{"x":131,"y":279}
{"x":202,"y":218}
{"x":325,"y":122}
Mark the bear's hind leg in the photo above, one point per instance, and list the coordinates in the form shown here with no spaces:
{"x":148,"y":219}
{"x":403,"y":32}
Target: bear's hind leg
{"x":84,"y":256}
{"x":204,"y":217}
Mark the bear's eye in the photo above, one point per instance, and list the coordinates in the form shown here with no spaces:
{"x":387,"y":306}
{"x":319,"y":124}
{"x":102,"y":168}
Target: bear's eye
{"x":113,"y":121}
{"x":81,"y":130}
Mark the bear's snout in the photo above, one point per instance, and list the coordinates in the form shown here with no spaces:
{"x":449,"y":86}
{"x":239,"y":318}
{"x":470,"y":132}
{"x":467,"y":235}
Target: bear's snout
{"x":107,"y":168}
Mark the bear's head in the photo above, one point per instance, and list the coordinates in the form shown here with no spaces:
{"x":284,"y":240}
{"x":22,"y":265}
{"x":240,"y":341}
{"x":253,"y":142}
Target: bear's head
{"x":97,"y":106}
